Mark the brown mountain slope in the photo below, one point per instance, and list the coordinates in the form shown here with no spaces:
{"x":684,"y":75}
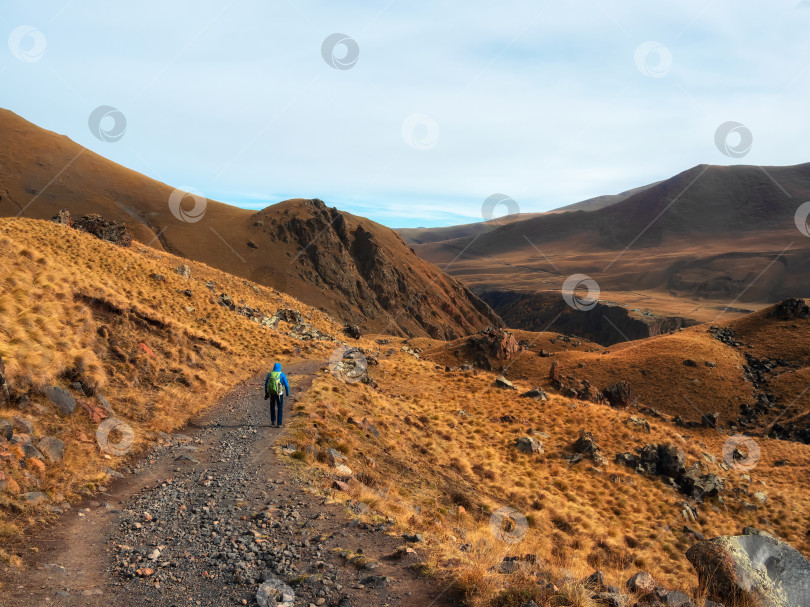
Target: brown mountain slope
{"x":356,"y":269}
{"x":753,"y":371}
{"x":707,"y":239}
{"x":418,"y":236}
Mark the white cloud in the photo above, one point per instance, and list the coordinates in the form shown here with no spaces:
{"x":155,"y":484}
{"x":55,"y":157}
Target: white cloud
{"x":540,"y":101}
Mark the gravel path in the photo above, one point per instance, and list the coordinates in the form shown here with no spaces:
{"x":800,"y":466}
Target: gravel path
{"x":211,"y":514}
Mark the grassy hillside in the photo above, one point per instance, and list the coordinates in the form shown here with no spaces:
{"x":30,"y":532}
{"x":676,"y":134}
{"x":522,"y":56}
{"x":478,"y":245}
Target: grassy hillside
{"x":156,"y":346}
{"x":428,"y":444}
{"x":445,"y":462}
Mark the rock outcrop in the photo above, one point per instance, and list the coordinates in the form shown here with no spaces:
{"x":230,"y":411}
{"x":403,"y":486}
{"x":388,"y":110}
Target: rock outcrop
{"x":112,"y":231}
{"x":752,"y":569}
{"x":669,"y":461}
{"x":604,"y":324}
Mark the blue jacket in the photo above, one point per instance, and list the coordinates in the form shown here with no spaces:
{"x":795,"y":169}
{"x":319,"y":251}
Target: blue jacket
{"x":284,"y":382}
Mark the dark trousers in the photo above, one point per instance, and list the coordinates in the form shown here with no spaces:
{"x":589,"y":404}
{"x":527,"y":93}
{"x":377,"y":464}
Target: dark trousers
{"x":276,"y":402}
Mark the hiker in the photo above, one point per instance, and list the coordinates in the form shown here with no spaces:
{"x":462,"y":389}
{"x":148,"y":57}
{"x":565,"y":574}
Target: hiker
{"x":273,"y":390}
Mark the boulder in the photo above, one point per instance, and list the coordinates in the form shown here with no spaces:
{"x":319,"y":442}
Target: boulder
{"x":342,"y":471}
{"x":62,"y":218}
{"x":34,"y":496}
{"x":111,"y":231}
{"x":611,"y":599}
{"x":184,"y":271}
{"x":619,"y":394}
{"x":6,"y":429}
{"x":710,"y":420}
{"x":676,"y":598}
{"x":790,"y":309}
{"x":289,"y":315}
{"x":595,"y":581}
{"x":63,"y":399}
{"x":275,"y":593}
{"x":585,"y":446}
{"x":29,"y":450}
{"x":493,"y":343}
{"x":642,"y":583}
{"x":536,"y":394}
{"x":670,"y":460}
{"x":504,"y":383}
{"x":23,"y":425}
{"x":52,"y":448}
{"x":527,"y":444}
{"x":353,"y":331}
{"x":370,"y":428}
{"x":755,"y":569}
{"x":699,"y":485}
{"x":638,"y":422}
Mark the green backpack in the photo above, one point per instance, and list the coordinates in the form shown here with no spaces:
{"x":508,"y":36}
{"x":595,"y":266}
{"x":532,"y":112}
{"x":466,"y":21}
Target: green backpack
{"x":273,"y":385}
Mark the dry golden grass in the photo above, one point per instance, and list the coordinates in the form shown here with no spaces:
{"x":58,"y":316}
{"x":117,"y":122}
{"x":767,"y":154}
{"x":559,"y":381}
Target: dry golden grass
{"x":445,"y":462}
{"x":75,"y":308}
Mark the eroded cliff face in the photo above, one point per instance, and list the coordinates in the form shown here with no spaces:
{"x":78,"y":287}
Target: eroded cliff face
{"x":368,"y":275}
{"x":604,"y":324}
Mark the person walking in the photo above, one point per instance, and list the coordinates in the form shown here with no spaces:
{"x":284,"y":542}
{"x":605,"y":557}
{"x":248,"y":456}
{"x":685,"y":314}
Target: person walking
{"x":275,"y":384}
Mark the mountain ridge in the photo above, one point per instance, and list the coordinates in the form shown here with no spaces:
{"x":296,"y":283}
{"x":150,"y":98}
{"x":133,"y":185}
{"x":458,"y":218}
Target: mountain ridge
{"x":42,"y":172}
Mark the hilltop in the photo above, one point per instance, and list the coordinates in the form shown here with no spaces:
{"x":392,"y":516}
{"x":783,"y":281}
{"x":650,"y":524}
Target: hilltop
{"x":359,"y":271}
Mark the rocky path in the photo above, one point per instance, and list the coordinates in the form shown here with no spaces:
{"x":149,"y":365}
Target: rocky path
{"x":211,"y":514}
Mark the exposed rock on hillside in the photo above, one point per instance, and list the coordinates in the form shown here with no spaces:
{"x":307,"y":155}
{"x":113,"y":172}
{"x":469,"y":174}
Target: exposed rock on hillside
{"x":788,"y":309}
{"x":669,"y":461}
{"x":752,"y":569}
{"x":490,"y":345}
{"x":93,"y":223}
{"x":369,"y":273}
{"x":604,"y":324}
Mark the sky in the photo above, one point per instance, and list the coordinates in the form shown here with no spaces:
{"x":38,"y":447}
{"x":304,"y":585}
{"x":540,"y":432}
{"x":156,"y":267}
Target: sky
{"x":414,"y":113}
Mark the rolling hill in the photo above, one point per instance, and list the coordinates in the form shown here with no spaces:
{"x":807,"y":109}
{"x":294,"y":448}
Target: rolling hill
{"x":418,"y":236}
{"x":710,"y":242}
{"x":358,"y":270}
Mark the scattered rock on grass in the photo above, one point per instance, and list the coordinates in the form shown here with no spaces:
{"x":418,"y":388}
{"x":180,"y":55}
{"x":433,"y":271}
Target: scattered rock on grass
{"x":64,"y":400}
{"x":530,"y":445}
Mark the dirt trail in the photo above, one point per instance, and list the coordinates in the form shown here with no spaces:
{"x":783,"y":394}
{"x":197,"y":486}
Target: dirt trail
{"x":224,"y":513}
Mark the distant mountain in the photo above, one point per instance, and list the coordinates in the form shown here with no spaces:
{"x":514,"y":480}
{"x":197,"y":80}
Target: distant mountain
{"x":422,"y":235}
{"x":711,"y":240}
{"x":600,"y":202}
{"x":354,"y":268}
